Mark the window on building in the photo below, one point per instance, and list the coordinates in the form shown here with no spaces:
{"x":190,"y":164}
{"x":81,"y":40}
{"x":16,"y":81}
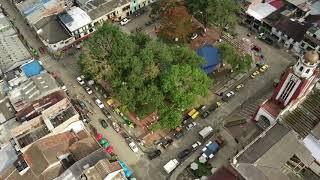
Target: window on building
{"x":307,"y":71}
{"x":77,"y":36}
{"x":90,"y":30}
{"x":90,"y":25}
{"x":126,"y":8}
{"x":301,"y":68}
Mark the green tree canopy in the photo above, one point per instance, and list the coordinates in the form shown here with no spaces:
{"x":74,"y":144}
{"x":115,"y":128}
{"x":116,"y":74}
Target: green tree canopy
{"x":145,"y":75}
{"x":231,"y":56}
{"x":218,"y":12}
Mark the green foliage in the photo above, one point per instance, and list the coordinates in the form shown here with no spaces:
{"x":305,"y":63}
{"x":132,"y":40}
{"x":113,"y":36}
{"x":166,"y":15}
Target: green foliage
{"x":218,"y":12}
{"x":231,"y":56}
{"x":145,"y":75}
{"x":203,"y":169}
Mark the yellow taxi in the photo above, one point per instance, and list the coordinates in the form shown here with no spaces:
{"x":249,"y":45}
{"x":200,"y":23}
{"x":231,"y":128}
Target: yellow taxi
{"x":193,"y":113}
{"x":264,"y":68}
{"x":255,"y":74}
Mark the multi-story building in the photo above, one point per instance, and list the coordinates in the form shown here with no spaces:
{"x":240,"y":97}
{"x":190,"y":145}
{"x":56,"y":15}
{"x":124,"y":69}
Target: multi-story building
{"x":289,"y":147}
{"x":32,"y":89}
{"x":44,"y":117}
{"x":61,"y":24}
{"x":66,"y":155}
{"x":290,"y":23}
{"x":295,"y":84}
{"x":10,"y":58}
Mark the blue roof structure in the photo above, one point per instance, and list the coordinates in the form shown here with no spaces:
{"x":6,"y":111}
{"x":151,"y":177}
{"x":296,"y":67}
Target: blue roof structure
{"x":32,"y":68}
{"x":211,"y":149}
{"x":211,"y":55}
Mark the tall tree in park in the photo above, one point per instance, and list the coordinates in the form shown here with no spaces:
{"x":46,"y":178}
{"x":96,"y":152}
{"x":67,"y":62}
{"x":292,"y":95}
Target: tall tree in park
{"x":145,"y":75}
{"x":218,"y":12}
{"x":175,"y":22}
{"x":231,"y":56}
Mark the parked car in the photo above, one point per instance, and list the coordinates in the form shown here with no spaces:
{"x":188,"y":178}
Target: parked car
{"x":240,"y":86}
{"x":205,"y":114}
{"x":99,"y":103}
{"x":256,"y":48}
{"x":228,"y":96}
{"x":191,"y":126}
{"x":103,"y":123}
{"x":167,"y":143}
{"x":125,"y":21}
{"x":116,"y":126}
{"x":255,"y":74}
{"x":196,"y":145}
{"x":264,"y":68}
{"x":106,"y":113}
{"x":154,"y":154}
{"x":184,"y":153}
{"x":88,"y":90}
{"x":133,"y":147}
{"x":80,"y":81}
{"x":178,"y":133}
{"x":193,"y":113}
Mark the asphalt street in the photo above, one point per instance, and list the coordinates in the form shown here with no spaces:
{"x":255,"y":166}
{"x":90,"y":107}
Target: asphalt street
{"x":143,"y":168}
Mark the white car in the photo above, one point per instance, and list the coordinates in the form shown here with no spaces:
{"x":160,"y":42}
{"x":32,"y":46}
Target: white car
{"x":99,"y":103}
{"x":196,"y":145}
{"x":88,"y":90}
{"x":80,"y":81}
{"x":133,"y":147}
{"x":191,"y":126}
{"x":124,"y":21}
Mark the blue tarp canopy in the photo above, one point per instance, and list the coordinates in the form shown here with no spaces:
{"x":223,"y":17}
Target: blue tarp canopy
{"x":32,"y":68}
{"x":211,"y":55}
{"x":211,"y":148}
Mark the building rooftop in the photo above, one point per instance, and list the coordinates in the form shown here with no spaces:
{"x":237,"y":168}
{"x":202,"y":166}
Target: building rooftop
{"x":44,"y":122}
{"x":101,"y":170}
{"x":34,"y":88}
{"x":75,"y":18}
{"x":35,"y":108}
{"x":306,"y":116}
{"x":35,"y":10}
{"x":98,"y":8}
{"x":262,"y":145}
{"x":51,"y":30}
{"x":6,"y":110}
{"x":32,"y":68}
{"x":78,"y":168}
{"x":266,"y":158}
{"x":50,"y":157}
{"x":10,"y":58}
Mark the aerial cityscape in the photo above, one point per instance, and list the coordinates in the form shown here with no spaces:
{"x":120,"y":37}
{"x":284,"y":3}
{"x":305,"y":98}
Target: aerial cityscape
{"x":159,"y":89}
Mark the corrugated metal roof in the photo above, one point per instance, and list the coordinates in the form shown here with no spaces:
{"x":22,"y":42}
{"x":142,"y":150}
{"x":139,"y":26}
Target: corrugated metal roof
{"x":306,"y":116}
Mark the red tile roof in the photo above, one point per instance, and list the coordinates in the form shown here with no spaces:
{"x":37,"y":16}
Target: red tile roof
{"x":272,"y":107}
